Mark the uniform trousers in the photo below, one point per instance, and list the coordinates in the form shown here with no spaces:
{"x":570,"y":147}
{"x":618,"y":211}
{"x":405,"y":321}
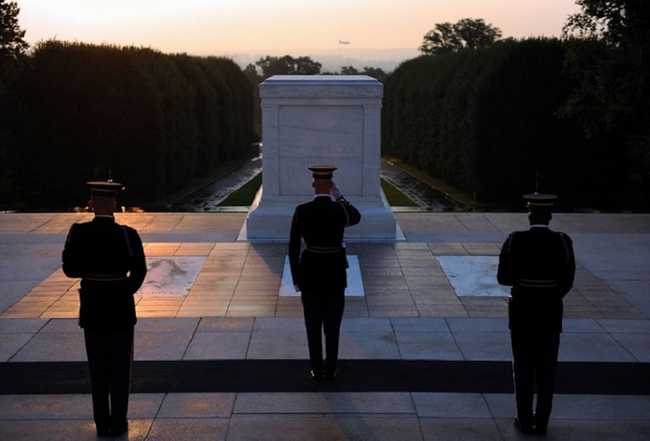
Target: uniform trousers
{"x":110,"y":353}
{"x":534,"y":365}
{"x":323,"y":313}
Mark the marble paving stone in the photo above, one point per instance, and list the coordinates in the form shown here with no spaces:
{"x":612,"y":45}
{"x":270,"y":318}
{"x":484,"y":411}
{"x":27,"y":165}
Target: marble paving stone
{"x":461,"y":429}
{"x":417,"y":325}
{"x":581,"y":407}
{"x":484,"y":346}
{"x":171,"y":275}
{"x":325,"y":402}
{"x":8,"y":326}
{"x":188,"y":429}
{"x":635,"y":326}
{"x":441,"y":311}
{"x":581,"y":325}
{"x":62,"y":325}
{"x":478,"y":325}
{"x":53,"y":346}
{"x":450,"y":249}
{"x":65,"y":430}
{"x":355,"y":284}
{"x":591,"y":347}
{"x":160,"y":345}
{"x":324,"y":428}
{"x":11,"y":292}
{"x":428,"y":346}
{"x":636,"y":344}
{"x":473,"y":275}
{"x":275,"y":345}
{"x":588,"y":430}
{"x":279,"y":325}
{"x":218,"y":345}
{"x":69,"y":406}
{"x":222,"y":324}
{"x":11,"y":343}
{"x":360,"y":346}
{"x":197,"y":405}
{"x":181,"y":325}
{"x":451,"y":405}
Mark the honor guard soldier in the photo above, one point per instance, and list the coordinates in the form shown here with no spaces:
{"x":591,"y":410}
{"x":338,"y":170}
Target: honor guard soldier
{"x":539,"y":264}
{"x":110,"y":261}
{"x":319,"y":274}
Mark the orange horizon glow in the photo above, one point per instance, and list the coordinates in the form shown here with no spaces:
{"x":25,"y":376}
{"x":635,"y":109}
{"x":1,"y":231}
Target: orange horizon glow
{"x":278,"y":26}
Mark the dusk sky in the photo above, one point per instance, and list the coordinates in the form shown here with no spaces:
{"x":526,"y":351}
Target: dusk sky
{"x":277,"y":26}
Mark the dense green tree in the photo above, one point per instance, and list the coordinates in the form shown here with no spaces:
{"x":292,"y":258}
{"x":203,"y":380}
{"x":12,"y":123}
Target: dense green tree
{"x":349,"y":70}
{"x":12,"y":43}
{"x":467,"y":33}
{"x":611,"y":99}
{"x":288,"y":65}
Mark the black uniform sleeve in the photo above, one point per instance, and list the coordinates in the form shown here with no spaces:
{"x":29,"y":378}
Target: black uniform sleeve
{"x":294,"y":248}
{"x":138,"y":264}
{"x":352,"y":215}
{"x":568,"y":269}
{"x":72,"y":261}
{"x":505,"y":274}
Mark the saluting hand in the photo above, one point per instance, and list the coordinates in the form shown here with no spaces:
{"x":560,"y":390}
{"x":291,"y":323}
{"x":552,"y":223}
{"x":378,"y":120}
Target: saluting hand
{"x":334,"y":191}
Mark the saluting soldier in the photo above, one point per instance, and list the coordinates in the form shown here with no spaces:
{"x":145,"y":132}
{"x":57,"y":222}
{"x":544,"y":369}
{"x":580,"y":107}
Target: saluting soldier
{"x":539,"y":264}
{"x":109,"y":259}
{"x":319,"y":274}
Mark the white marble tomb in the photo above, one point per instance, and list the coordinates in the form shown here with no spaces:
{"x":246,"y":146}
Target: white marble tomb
{"x":320,"y":119}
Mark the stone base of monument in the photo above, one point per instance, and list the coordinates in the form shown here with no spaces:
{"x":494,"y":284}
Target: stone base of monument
{"x":271,"y":222}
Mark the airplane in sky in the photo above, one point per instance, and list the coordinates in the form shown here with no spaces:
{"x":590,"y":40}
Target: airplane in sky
{"x":343,"y":42}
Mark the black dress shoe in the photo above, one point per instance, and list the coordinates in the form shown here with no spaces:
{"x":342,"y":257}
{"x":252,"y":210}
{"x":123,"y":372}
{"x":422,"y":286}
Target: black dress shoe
{"x":103,"y":432}
{"x":541,"y":430}
{"x":526,"y":429}
{"x":119,"y":429}
{"x":329,"y":375}
{"x":316,"y":374}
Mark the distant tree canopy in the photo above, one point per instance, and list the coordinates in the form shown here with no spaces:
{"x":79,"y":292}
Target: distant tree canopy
{"x":12,"y":43}
{"x":375,"y":72}
{"x":155,"y":120}
{"x":467,"y":33}
{"x":287,"y":65}
{"x":611,"y":97}
{"x":488,"y":122}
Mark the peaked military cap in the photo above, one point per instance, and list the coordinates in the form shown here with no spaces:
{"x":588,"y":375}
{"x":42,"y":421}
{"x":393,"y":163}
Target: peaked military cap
{"x":539,"y":201}
{"x":322,"y":171}
{"x":105,"y":188}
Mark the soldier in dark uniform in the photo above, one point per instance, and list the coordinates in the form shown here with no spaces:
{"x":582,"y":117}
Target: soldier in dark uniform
{"x":320,"y":272}
{"x":110,"y":261}
{"x":539,"y":264}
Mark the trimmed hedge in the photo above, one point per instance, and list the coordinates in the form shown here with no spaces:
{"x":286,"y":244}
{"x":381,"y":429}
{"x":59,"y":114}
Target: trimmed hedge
{"x":154,"y":120}
{"x":488,"y":122}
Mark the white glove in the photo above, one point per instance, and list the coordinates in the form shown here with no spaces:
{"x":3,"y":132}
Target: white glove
{"x":334,"y":191}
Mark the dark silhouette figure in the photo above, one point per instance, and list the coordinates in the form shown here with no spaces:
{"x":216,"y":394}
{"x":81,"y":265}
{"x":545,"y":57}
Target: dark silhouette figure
{"x":320,"y":272}
{"x":539,"y":264}
{"x":110,"y":261}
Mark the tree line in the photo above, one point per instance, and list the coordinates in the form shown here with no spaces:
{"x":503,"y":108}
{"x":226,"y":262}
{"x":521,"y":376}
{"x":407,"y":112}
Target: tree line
{"x":268,"y":66}
{"x":152,"y":120}
{"x":498,"y":118}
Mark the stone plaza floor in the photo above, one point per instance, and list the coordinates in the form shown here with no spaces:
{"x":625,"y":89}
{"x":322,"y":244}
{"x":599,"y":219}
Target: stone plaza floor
{"x":227,"y":309}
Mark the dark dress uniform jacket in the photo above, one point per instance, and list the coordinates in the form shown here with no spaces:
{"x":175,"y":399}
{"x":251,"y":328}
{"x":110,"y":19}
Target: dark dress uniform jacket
{"x":540,"y":266}
{"x":321,"y":224}
{"x":110,"y":260}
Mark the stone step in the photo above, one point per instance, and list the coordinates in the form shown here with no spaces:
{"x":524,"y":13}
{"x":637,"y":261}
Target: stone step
{"x":355,"y":376}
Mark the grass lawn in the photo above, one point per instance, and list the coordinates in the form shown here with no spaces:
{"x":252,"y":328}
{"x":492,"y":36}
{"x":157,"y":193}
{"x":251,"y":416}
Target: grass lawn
{"x":395,"y":197}
{"x":243,"y":197}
